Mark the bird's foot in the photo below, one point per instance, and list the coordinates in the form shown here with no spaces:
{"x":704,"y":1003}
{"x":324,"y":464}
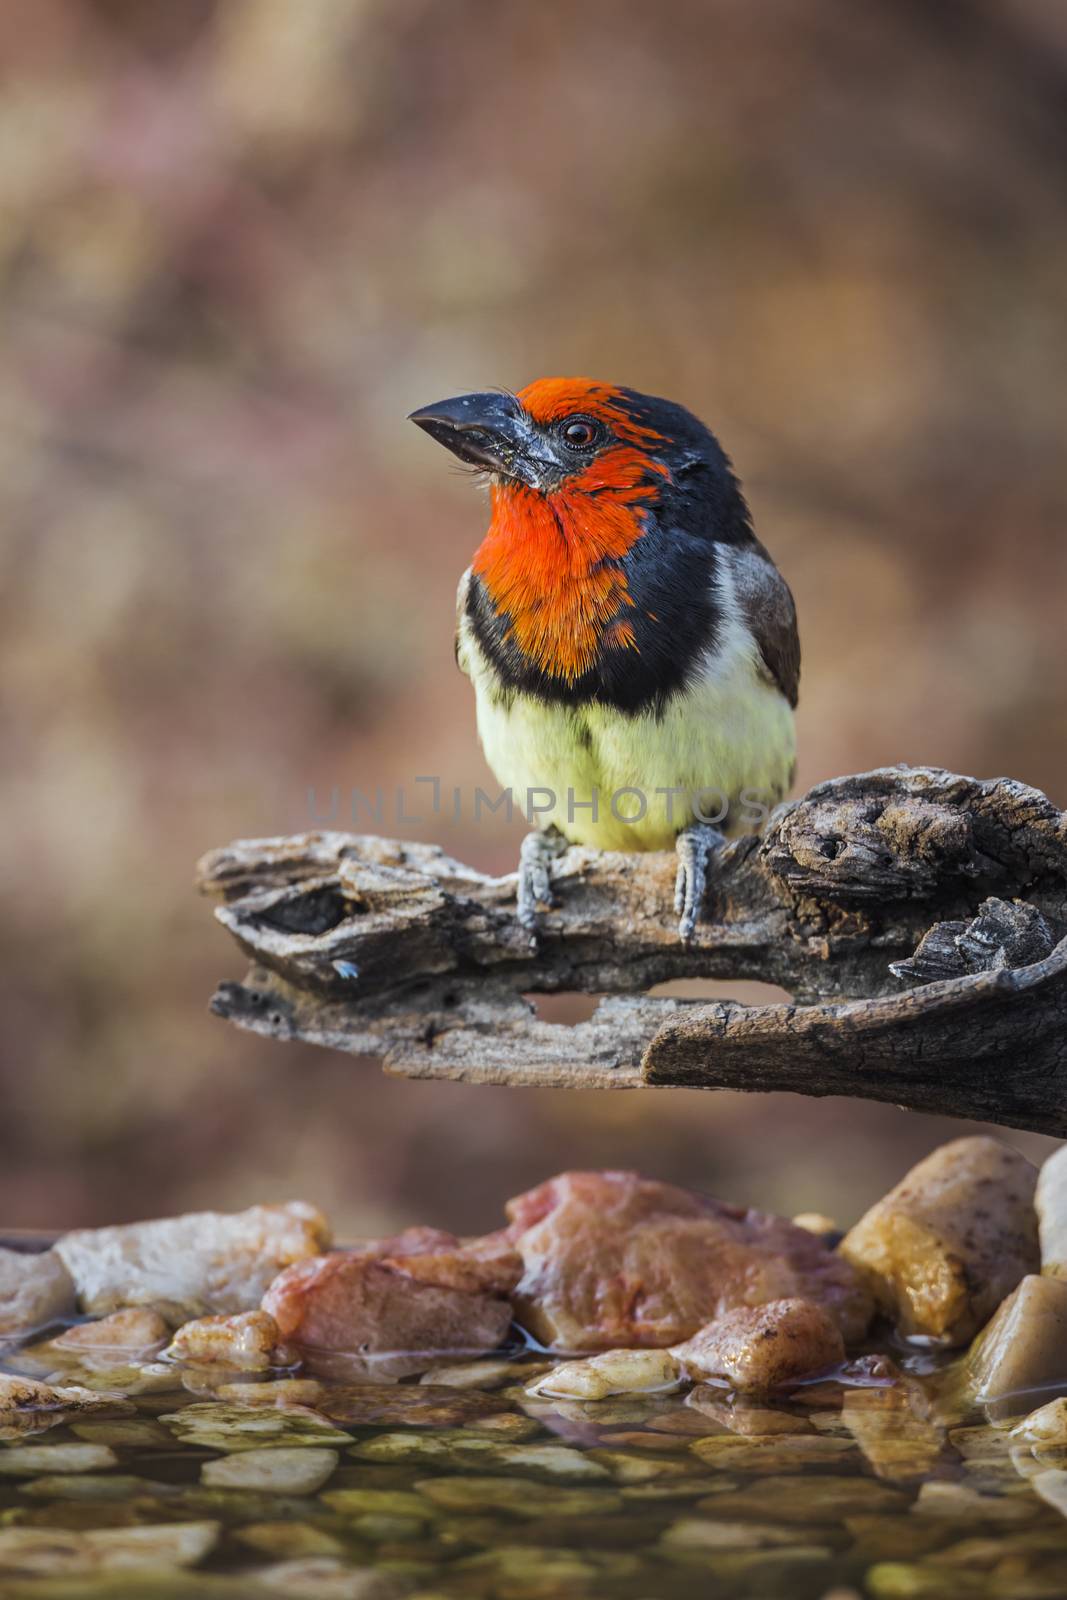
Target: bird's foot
{"x":695,"y":847}
{"x":536,"y":855}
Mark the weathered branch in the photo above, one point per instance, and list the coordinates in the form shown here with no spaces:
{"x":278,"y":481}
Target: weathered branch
{"x":856,"y":897}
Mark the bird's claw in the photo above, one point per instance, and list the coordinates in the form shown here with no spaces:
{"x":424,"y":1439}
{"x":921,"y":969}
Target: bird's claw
{"x":695,"y":847}
{"x":536,"y":854}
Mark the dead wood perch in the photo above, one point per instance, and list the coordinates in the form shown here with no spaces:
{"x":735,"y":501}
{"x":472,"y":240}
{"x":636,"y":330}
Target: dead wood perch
{"x":917,"y":918}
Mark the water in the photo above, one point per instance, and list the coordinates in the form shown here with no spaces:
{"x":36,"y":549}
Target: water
{"x":431,"y":1490}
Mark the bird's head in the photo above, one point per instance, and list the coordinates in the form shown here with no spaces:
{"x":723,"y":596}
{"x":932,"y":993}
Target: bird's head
{"x":573,"y":436}
{"x":605,"y":503}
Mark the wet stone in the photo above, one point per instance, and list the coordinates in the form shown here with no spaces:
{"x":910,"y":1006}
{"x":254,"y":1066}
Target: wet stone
{"x":326,"y":1578}
{"x":288,"y":1541}
{"x":492,"y":1373}
{"x":881,"y":1537}
{"x":28,"y":1460}
{"x":126,"y":1433}
{"x":775,"y":1453}
{"x":825,"y":1498}
{"x":230,"y":1428}
{"x":378,"y":1502}
{"x":414,"y":1406}
{"x":1046,"y":1425}
{"x":464,"y":1452}
{"x":1052,"y":1487}
{"x":238,"y":1506}
{"x":682,"y":1488}
{"x":743,"y":1417}
{"x":275,"y":1470}
{"x":628,"y":1466}
{"x":701,"y":1533}
{"x":91,"y":1486}
{"x":522,"y":1497}
{"x":964,"y":1504}
{"x":49,"y":1553}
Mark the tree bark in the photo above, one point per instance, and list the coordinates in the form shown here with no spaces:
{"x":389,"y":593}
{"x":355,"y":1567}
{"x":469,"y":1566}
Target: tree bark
{"x":914,"y":916}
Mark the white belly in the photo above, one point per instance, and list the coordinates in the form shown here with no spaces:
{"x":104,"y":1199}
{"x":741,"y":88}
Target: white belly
{"x":728,"y":741}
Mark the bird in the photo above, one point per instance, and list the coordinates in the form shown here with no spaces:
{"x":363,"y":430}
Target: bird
{"x":632,"y":646}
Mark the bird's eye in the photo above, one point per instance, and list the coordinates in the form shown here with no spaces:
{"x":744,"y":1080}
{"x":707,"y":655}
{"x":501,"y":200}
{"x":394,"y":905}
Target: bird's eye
{"x":580,"y":433}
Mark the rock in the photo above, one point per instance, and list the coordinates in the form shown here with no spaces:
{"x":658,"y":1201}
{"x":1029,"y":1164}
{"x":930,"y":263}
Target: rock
{"x":29,"y":1394}
{"x":759,"y":1348}
{"x":724,"y":1413}
{"x":378,"y":1502}
{"x":1052,"y":1487}
{"x":35,"y":1289}
{"x":519,"y":1573}
{"x":774,"y":1453}
{"x":700,"y":1533}
{"x":325,"y":1578}
{"x":985,"y":1553}
{"x":956,"y":1235}
{"x":630,"y":1466}
{"x":279,"y":1392}
{"x":139,"y":1331}
{"x":289,"y":1540}
{"x":1046,"y":1425}
{"x":238,"y":1507}
{"x":1023,"y":1348}
{"x":823,"y":1498}
{"x":149,"y":1377}
{"x":48,"y":1552}
{"x":917,"y":1580}
{"x":680,"y":1488}
{"x":27,"y":1460}
{"x":126,"y":1433}
{"x":942,"y":1498}
{"x":490,"y":1374}
{"x":788,"y":1570}
{"x":245,"y":1340}
{"x":881,"y":1538}
{"x":521,"y":1497}
{"x":893,"y":1430}
{"x":422,"y":1293}
{"x":613,"y":1372}
{"x":276,"y":1470}
{"x":1051,"y":1205}
{"x":202,"y":1263}
{"x":417,"y":1406}
{"x":88,"y":1486}
{"x":614,"y":1260}
{"x":460,"y":1450}
{"x":230,"y":1428}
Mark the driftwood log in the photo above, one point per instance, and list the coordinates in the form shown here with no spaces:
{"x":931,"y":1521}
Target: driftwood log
{"x":918,"y":919}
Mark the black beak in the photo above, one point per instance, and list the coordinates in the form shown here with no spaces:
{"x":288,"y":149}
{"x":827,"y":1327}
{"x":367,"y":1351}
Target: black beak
{"x":488,"y":430}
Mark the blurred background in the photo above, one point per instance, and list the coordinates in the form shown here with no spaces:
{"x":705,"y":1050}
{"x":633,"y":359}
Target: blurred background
{"x":239,"y":241}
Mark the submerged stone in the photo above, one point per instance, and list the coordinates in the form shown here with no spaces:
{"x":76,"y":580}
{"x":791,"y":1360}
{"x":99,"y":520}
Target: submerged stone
{"x":378,"y":1502}
{"x":464,"y":1452}
{"x":522,"y":1497}
{"x":27,"y":1460}
{"x":413,"y":1406}
{"x":32,"y":1551}
{"x":774,"y":1453}
{"x":276,"y":1470}
{"x":823,"y":1498}
{"x":228,"y":1427}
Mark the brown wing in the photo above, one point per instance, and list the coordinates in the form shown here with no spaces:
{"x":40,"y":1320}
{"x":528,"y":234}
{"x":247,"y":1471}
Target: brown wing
{"x":767,"y":607}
